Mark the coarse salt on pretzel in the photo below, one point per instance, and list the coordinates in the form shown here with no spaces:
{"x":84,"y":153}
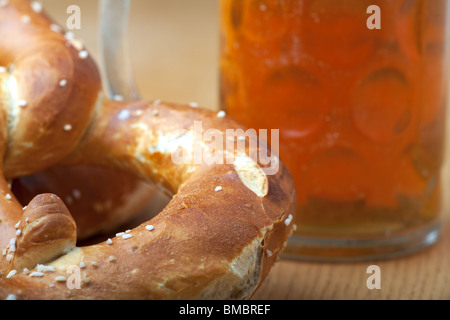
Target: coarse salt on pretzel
{"x":207,"y":243}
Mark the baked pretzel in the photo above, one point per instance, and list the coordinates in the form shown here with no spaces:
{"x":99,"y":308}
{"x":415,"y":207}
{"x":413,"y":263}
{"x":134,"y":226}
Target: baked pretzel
{"x":216,"y":239}
{"x":100,"y":200}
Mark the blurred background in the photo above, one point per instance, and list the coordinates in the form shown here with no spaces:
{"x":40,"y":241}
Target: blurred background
{"x":174,"y":46}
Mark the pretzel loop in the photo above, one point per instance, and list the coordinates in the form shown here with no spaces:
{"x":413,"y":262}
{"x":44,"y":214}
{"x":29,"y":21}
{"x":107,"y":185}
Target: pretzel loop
{"x":217,"y":238}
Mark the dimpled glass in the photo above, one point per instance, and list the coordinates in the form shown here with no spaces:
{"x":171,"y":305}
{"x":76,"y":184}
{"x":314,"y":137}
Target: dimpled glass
{"x":361,"y":113}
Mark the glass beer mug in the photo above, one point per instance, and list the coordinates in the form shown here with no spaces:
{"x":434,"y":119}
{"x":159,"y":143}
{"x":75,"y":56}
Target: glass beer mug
{"x":358,"y":90}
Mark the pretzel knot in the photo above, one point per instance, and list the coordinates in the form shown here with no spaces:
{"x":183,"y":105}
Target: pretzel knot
{"x":216,"y":239}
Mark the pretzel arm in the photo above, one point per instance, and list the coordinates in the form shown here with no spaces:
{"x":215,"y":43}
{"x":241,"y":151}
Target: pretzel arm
{"x":218,"y":237}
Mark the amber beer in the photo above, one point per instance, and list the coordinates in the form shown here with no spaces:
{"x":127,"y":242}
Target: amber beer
{"x":361,"y":114}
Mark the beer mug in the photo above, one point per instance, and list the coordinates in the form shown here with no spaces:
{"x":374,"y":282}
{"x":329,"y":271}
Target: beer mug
{"x":358,"y":90}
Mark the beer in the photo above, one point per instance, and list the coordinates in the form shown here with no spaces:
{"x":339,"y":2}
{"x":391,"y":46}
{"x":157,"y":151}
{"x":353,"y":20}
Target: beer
{"x":358,"y":90}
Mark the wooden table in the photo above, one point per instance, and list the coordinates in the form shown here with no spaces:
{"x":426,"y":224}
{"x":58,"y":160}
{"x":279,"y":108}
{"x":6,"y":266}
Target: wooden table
{"x":174,"y":49}
{"x":424,"y":275}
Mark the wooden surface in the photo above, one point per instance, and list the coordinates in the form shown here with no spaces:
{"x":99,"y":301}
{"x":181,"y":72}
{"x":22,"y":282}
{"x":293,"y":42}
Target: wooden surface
{"x":424,"y":275}
{"x":174,"y":48}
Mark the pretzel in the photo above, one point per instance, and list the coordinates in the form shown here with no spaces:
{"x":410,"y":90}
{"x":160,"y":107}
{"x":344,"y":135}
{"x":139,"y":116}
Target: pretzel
{"x":100,"y":200}
{"x":218,"y":237}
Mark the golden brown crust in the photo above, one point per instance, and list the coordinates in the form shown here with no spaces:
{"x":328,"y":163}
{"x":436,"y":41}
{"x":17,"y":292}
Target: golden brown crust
{"x":216,"y":239}
{"x":46,"y":119}
{"x":47,"y":231}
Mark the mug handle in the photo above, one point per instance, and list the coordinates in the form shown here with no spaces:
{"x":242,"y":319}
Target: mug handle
{"x":115,"y":62}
